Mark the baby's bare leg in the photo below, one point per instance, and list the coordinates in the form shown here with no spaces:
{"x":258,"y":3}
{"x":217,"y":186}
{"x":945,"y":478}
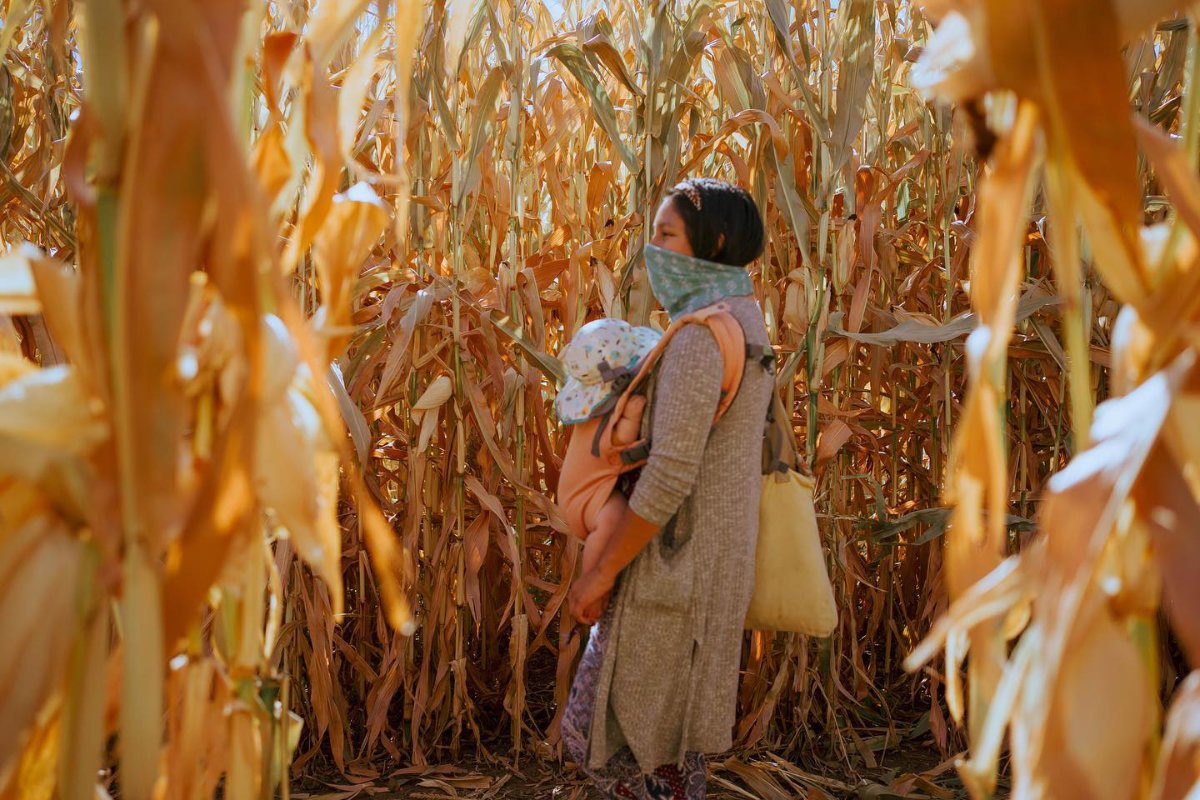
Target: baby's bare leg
{"x":607,"y":521}
{"x":629,"y":426}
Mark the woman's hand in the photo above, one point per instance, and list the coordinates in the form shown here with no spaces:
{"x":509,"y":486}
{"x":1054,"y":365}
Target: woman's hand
{"x":589,"y":596}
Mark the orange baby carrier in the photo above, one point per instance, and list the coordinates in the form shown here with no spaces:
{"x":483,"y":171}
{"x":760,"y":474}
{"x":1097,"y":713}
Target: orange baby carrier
{"x":595,"y":461}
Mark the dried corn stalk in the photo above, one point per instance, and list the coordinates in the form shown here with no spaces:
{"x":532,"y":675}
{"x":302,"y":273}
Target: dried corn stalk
{"x":193,"y":442}
{"x":1117,"y":521}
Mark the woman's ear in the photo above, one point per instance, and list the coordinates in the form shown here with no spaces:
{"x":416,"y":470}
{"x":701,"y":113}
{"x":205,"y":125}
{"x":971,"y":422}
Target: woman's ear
{"x":720,"y":243}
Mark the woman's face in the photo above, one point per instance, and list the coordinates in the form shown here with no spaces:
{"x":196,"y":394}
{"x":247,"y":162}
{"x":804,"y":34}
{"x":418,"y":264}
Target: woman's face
{"x":669,"y":232}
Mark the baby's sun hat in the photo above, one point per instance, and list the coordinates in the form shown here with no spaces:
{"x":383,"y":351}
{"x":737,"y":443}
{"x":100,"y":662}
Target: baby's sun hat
{"x":601,"y":359}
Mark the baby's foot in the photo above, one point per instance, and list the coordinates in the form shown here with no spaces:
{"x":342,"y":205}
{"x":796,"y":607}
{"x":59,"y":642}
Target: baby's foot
{"x":635,"y":406}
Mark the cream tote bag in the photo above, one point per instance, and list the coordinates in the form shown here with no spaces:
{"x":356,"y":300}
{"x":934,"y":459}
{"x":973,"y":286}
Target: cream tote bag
{"x":791,"y":582}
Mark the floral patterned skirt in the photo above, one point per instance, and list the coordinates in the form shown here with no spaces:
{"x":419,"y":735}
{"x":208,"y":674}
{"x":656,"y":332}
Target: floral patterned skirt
{"x":621,"y":777}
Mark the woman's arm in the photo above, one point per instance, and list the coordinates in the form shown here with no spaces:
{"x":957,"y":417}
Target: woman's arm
{"x":685,"y":401}
{"x":686,"y":398}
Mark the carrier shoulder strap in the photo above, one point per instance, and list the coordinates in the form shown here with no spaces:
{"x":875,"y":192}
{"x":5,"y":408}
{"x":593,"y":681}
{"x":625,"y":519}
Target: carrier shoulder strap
{"x":735,"y":352}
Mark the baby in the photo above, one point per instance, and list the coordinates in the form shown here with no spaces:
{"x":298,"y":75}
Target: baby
{"x":593,"y":490}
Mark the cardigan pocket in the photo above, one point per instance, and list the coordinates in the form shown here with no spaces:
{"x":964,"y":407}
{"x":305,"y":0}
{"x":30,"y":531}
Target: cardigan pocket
{"x":665,"y":579}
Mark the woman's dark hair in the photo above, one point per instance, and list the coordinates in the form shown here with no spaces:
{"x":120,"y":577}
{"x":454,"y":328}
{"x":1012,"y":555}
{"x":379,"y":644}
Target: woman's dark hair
{"x":724,"y":226}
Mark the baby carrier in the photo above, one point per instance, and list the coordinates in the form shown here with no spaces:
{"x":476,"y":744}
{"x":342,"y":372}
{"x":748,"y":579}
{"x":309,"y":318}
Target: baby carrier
{"x":595,"y":461}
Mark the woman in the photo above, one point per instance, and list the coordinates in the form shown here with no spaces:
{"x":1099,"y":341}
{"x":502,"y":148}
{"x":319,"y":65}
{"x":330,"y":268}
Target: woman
{"x":657,"y":685}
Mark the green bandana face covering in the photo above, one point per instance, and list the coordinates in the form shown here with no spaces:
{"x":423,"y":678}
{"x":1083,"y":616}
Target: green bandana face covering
{"x":684,"y":284}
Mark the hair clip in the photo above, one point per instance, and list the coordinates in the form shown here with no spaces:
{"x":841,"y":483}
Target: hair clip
{"x":689,"y":191}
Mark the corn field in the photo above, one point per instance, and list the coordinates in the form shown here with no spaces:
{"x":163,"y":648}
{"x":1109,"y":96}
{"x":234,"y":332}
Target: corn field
{"x":281,"y":288}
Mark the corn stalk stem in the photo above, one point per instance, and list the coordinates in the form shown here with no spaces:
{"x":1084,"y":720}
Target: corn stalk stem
{"x":140,"y":602}
{"x":1068,"y":270}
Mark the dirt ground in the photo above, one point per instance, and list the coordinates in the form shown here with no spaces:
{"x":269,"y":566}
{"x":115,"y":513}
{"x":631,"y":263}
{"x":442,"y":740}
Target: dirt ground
{"x":912,"y":771}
